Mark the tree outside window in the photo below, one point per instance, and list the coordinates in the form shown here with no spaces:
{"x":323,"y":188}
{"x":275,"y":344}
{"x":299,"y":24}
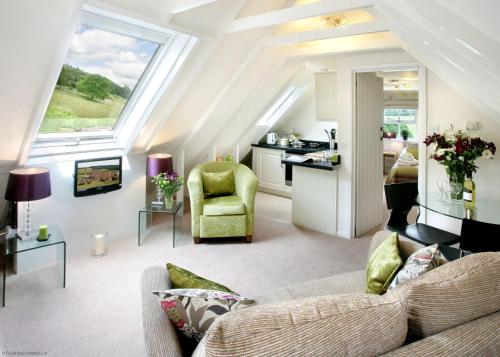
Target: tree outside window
{"x":396,"y":120}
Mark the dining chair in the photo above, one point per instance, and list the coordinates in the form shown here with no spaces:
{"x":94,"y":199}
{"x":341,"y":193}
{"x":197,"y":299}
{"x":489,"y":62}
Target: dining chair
{"x":477,"y":237}
{"x":401,"y":198}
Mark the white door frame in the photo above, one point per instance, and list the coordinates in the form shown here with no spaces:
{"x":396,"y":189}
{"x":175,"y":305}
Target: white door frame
{"x":421,"y":129}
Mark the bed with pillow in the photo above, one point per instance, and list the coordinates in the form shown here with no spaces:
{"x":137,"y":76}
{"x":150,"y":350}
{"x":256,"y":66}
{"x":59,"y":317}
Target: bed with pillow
{"x":406,"y":167}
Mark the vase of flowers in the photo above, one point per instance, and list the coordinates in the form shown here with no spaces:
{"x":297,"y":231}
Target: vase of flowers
{"x":169,"y":184}
{"x":458,"y":152}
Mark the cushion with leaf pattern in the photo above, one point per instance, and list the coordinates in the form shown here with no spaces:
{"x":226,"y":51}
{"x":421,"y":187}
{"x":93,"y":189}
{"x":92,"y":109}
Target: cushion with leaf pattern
{"x":420,"y":262}
{"x":192,"y":311}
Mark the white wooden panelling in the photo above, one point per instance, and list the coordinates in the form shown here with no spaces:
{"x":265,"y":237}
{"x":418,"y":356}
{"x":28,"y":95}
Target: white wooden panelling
{"x":369,"y":174}
{"x":314,"y":199}
{"x":324,"y":89}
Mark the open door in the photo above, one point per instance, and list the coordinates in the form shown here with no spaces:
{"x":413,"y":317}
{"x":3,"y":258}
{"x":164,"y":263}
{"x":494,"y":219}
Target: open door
{"x":369,"y":158}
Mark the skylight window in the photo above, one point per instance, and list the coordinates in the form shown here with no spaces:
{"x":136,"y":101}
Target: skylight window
{"x":98,"y":77}
{"x":115,"y":72}
{"x":281,"y":106}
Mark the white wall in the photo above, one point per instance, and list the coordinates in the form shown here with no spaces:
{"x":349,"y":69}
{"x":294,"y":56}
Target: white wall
{"x":114,"y":212}
{"x":304,"y":120}
{"x":446,"y":107}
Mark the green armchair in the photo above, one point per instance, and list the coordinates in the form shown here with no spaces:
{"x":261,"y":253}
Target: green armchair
{"x":222,"y":216}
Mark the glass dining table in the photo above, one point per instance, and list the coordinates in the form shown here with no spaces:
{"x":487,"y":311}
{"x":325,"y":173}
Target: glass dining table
{"x":486,"y":210}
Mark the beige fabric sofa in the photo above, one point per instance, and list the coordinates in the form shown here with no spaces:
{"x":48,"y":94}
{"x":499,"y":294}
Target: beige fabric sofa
{"x":452,"y":310}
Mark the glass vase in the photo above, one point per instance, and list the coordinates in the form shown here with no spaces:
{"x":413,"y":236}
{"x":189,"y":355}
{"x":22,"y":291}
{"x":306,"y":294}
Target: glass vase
{"x":456,"y":179}
{"x":169,"y":201}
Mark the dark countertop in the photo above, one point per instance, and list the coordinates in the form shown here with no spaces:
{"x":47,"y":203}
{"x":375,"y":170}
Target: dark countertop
{"x":321,"y":165}
{"x":296,"y":150}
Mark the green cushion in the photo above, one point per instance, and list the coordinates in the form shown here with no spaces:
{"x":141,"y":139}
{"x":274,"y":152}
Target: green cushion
{"x":383,"y":265}
{"x":223,"y":206}
{"x":184,"y":279}
{"x":218,"y":183}
{"x":223,"y":226}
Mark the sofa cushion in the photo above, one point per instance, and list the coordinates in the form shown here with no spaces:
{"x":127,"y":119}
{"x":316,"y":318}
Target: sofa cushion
{"x":184,"y":279}
{"x":192,"y":311}
{"x":347,"y":283}
{"x":337,"y":325}
{"x":223,"y":206}
{"x":420,"y":262}
{"x":475,"y":338}
{"x":383,"y":265}
{"x":218,"y":183}
{"x":452,"y":294}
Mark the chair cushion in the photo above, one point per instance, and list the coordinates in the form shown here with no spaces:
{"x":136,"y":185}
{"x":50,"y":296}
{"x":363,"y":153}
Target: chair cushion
{"x":452,"y":294}
{"x":383,"y":265}
{"x":338,"y":325}
{"x":223,"y":206}
{"x":218,"y":183}
{"x":223,"y":226}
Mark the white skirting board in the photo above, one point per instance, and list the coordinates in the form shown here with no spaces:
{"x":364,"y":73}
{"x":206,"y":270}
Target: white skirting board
{"x":314,"y":199}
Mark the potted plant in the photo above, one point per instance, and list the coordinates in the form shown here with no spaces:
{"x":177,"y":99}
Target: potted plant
{"x":405,"y":133}
{"x":169,"y":184}
{"x":458,"y":151}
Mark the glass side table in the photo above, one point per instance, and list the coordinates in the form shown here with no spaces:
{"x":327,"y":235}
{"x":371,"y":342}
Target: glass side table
{"x":13,"y":246}
{"x":150,"y":209}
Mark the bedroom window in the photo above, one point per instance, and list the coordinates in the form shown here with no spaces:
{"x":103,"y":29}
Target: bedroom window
{"x":396,"y":120}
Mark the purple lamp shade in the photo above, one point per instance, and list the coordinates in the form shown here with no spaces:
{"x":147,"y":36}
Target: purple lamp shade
{"x":159,"y":163}
{"x":28,"y":184}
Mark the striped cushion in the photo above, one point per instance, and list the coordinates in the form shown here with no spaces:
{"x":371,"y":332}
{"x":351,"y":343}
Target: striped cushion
{"x":475,"y":338}
{"x":354,"y":325}
{"x":453,"y":294}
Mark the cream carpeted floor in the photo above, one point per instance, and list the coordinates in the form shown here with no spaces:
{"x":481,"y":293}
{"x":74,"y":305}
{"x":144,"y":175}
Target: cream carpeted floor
{"x":99,"y":312}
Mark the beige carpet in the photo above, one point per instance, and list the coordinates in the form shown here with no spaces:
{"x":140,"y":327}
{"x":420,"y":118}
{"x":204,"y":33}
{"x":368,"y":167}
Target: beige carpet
{"x":99,"y":312}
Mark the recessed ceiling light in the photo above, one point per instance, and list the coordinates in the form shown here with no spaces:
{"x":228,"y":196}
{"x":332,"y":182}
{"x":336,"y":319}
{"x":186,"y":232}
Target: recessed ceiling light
{"x":336,"y":21}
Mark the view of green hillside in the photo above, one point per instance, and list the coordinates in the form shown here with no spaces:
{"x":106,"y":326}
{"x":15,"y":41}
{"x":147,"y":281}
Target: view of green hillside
{"x":83,"y":102}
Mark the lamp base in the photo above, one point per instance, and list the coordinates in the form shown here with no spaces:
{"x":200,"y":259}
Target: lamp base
{"x":26,"y":235}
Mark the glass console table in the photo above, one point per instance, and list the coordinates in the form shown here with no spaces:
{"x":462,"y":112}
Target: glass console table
{"x":150,"y":209}
{"x":13,"y":245}
{"x":487,"y":210}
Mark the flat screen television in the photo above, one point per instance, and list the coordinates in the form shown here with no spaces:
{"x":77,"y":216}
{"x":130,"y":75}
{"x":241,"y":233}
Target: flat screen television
{"x":97,"y":176}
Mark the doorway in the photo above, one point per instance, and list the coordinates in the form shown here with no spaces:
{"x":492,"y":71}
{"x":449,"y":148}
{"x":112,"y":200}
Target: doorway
{"x":387,"y":133}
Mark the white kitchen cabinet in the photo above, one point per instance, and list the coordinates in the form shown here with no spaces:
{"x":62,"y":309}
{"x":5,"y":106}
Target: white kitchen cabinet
{"x":270,"y":172}
{"x":324,"y":93}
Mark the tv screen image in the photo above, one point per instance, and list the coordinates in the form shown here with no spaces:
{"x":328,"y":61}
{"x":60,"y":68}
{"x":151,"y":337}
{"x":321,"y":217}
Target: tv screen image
{"x":97,"y":176}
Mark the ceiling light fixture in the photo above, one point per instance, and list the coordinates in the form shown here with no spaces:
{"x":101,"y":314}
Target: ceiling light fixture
{"x":336,"y":21}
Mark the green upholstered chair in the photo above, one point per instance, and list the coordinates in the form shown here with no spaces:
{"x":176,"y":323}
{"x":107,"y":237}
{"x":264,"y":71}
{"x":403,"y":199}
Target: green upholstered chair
{"x":222,"y":216}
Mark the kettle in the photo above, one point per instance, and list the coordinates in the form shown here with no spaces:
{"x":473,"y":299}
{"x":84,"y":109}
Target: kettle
{"x":272,"y":138}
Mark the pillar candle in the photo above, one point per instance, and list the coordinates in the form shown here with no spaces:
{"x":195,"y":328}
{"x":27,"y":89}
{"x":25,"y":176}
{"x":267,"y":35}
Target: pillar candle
{"x":100,"y":244}
{"x":43,"y":232}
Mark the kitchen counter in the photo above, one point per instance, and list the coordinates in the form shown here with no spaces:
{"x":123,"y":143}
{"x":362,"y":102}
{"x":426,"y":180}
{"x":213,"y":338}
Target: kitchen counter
{"x":321,"y":165}
{"x":296,"y":150}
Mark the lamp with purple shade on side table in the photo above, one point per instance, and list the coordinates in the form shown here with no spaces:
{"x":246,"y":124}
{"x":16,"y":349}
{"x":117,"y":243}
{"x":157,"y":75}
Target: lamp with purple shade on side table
{"x":26,"y":185}
{"x":158,"y":164}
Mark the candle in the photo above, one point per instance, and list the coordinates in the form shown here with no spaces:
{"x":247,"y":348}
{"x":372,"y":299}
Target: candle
{"x":100,"y":245}
{"x":43,"y":232}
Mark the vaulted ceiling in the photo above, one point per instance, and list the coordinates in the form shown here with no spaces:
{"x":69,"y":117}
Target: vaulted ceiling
{"x":249,"y":50}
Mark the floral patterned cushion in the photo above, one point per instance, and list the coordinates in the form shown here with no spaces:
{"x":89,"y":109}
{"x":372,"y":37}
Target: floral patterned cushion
{"x":418,"y":263}
{"x":192,"y":311}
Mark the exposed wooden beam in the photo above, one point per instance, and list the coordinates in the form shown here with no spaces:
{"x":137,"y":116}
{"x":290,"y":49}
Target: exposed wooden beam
{"x":351,"y":30}
{"x":186,"y":5}
{"x":293,"y":13}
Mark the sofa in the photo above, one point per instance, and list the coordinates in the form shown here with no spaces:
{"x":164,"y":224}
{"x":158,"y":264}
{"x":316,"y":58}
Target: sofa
{"x":222,"y":216}
{"x":451,"y":310}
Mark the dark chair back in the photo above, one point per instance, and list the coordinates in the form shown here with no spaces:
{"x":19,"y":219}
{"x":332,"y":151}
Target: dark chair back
{"x":401,"y":196}
{"x":479,"y":237}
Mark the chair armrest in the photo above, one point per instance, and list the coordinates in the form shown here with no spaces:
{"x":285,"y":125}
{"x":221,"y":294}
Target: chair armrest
{"x":196,"y":197}
{"x":159,"y":333}
{"x":246,"y":184}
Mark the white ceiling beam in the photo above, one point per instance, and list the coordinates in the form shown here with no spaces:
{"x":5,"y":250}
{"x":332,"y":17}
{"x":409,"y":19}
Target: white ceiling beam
{"x":350,"y":30}
{"x":186,"y":5}
{"x":294,"y":13}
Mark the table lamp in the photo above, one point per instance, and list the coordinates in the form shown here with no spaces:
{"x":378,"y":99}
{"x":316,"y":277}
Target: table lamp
{"x":158,"y":164}
{"x":26,"y":185}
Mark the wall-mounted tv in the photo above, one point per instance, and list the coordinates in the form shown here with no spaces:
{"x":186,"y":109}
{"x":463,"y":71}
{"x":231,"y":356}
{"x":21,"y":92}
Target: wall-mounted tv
{"x":96,"y":176}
